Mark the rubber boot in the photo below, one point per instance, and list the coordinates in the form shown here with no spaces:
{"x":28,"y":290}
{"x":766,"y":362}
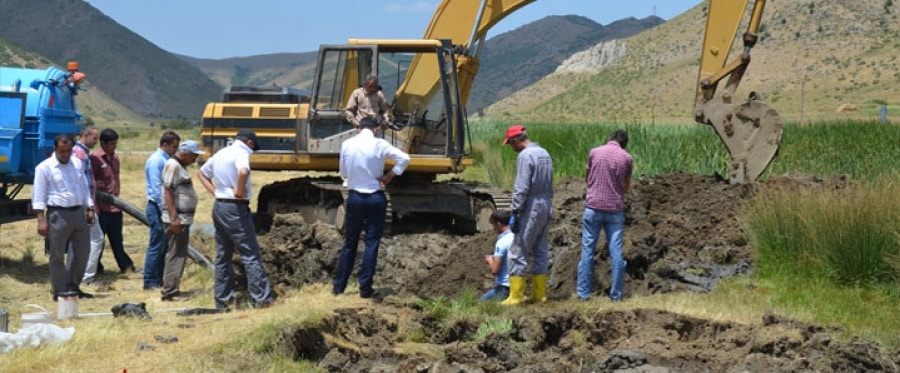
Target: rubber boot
{"x":538,"y":289}
{"x":516,"y":291}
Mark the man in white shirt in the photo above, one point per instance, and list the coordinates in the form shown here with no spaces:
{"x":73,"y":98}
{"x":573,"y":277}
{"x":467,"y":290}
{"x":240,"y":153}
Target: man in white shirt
{"x":362,"y":167}
{"x":226,"y":175}
{"x":65,"y":212}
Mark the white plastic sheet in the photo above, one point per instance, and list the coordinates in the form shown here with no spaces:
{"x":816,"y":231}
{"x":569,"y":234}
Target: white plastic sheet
{"x":35,"y":335}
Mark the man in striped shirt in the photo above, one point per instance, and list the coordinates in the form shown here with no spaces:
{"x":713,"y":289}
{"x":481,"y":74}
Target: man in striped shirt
{"x":82,"y":151}
{"x":608,"y":178}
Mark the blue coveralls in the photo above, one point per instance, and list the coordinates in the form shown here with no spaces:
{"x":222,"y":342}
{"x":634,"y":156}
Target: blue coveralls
{"x":532,"y":203}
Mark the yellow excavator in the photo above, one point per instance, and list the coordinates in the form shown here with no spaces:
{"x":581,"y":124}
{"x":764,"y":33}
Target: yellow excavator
{"x":427,"y":82}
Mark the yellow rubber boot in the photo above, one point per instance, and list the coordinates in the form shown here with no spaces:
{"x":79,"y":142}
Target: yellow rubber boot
{"x":538,"y":289}
{"x":516,"y":291}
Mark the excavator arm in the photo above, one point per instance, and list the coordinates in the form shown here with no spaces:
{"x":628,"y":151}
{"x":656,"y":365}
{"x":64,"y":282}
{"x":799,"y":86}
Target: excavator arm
{"x":749,"y":129}
{"x":466,"y":24}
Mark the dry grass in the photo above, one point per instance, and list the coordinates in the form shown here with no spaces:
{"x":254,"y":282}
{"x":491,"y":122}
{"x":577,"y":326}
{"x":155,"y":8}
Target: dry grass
{"x":105,"y":344}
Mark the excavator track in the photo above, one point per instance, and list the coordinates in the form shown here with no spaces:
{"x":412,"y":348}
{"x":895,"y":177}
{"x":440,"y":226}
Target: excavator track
{"x":414,"y":206}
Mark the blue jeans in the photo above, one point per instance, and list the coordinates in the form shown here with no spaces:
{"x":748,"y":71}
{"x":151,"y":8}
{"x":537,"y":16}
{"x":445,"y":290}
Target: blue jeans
{"x":155,"y":260}
{"x":498,"y":292}
{"x":368,"y":209}
{"x":612,"y":223}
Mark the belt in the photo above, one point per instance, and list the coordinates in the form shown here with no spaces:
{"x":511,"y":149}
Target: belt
{"x":367,"y":194}
{"x":67,"y":208}
{"x":232,"y":200}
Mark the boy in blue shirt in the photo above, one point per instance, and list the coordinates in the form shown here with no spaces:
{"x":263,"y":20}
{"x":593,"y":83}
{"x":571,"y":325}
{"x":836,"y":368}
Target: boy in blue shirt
{"x":497,"y":262}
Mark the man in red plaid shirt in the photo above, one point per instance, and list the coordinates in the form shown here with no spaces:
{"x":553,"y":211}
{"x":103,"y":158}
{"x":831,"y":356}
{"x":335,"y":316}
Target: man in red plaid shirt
{"x":608,"y":178}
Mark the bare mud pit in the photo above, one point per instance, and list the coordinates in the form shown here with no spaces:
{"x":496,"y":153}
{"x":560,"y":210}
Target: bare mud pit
{"x":682,"y":234}
{"x":375,"y":339}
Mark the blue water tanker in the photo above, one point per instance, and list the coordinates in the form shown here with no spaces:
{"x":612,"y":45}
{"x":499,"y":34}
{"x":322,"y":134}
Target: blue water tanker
{"x":35,"y":107}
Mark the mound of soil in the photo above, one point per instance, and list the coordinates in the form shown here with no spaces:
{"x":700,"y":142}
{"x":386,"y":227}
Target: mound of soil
{"x":681,"y":233}
{"x":395,"y":338}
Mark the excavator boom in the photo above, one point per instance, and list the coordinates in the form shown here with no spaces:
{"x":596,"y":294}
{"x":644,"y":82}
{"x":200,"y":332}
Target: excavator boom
{"x":750,"y":130}
{"x":466,"y":26}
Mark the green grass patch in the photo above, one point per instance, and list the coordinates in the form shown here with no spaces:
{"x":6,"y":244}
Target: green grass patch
{"x":833,"y":255}
{"x":502,"y":326}
{"x":851,"y":237}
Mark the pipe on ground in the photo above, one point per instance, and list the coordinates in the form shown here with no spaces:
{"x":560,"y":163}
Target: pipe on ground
{"x":138,"y":214}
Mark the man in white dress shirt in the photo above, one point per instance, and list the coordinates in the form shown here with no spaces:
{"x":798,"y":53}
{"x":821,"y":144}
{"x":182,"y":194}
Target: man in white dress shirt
{"x":226,"y":175}
{"x":65,"y":212}
{"x":362,"y":167}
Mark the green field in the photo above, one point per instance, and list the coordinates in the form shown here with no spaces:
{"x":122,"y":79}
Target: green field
{"x":865,"y":151}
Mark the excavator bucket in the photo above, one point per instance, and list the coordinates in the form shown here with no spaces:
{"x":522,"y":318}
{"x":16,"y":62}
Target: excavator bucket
{"x":750,"y":130}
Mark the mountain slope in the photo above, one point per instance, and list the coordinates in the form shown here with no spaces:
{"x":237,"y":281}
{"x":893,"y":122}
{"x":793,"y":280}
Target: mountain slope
{"x":511,"y":61}
{"x":514,"y":60}
{"x":92,"y":103}
{"x":282,"y":69}
{"x":141,"y":76}
{"x":812,"y":58}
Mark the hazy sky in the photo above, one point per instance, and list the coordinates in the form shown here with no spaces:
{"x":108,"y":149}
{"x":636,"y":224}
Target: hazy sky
{"x":233,"y":28}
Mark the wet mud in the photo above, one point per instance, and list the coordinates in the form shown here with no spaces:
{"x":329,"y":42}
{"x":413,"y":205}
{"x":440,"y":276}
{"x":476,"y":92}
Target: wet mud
{"x":683,"y":233}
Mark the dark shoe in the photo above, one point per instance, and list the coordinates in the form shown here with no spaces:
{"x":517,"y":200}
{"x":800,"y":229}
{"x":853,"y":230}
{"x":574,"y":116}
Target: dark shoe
{"x":152,"y":287}
{"x":371,"y":294}
{"x":71,"y":294}
{"x":268,"y":304}
{"x":224,"y":306}
{"x":132,"y":269}
{"x":83,"y":295}
{"x":175,"y":298}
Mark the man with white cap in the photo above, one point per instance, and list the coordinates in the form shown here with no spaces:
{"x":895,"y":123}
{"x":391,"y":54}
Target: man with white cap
{"x":179,"y":204}
{"x":532,"y":208}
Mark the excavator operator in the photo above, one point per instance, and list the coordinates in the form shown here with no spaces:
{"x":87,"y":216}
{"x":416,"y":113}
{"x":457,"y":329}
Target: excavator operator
{"x":368,"y":102}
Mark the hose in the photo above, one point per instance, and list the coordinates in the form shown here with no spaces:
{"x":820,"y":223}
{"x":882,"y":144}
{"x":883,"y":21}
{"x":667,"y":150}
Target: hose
{"x":136,"y":213}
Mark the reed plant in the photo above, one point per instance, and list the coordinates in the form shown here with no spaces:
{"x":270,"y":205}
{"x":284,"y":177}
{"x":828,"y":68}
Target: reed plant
{"x":864,"y":151}
{"x":656,"y":149}
{"x":850,"y":237}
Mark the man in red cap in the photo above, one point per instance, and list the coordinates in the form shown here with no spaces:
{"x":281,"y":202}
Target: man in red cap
{"x":532,"y":212}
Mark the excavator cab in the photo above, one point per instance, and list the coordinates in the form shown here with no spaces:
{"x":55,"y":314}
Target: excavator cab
{"x":427,"y":122}
{"x":340,"y":70}
{"x":429,"y":125}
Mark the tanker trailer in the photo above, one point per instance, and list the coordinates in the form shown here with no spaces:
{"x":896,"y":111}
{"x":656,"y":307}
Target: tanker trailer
{"x":35,"y":107}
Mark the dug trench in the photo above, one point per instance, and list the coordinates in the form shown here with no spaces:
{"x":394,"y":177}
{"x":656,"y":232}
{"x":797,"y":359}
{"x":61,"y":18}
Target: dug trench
{"x":683,"y":233}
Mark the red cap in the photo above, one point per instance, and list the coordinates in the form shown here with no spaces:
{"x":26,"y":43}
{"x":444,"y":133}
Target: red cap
{"x":513,"y":131}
